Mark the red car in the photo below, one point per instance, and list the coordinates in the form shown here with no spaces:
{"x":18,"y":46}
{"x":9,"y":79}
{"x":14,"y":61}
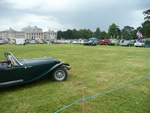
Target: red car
{"x":104,"y":42}
{"x":3,"y":42}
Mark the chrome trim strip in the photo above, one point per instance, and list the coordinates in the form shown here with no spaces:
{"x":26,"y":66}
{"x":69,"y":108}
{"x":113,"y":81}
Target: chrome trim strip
{"x":9,"y":53}
{"x":16,"y":59}
{"x":11,"y":82}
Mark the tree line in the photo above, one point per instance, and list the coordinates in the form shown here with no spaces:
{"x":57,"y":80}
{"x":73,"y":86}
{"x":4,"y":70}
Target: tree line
{"x":114,"y":31}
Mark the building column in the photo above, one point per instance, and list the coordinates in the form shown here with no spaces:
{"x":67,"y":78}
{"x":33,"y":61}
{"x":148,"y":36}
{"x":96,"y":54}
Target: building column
{"x":33,"y":36}
{"x":28,"y":35}
{"x":40,"y":35}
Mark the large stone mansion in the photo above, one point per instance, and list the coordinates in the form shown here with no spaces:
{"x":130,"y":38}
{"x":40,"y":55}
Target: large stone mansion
{"x":28,"y":33}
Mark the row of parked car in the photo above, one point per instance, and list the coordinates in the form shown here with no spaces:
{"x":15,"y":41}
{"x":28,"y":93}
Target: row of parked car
{"x":112,"y":42}
{"x":21,"y":41}
{"x":136,"y":43}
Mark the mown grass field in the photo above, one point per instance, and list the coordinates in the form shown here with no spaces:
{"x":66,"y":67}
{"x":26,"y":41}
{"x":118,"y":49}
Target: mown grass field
{"x":98,"y":68}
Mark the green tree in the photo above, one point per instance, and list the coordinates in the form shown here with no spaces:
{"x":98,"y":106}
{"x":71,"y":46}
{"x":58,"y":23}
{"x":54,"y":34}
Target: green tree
{"x":118,"y":33}
{"x":89,"y":33}
{"x":113,"y":31}
{"x":147,"y":15}
{"x":103,"y":35}
{"x":76,"y":34}
{"x":126,"y":32}
{"x":59,"y":34}
{"x":133,"y":34}
{"x":146,"y":24}
{"x":97,"y":32}
{"x":85,"y":34}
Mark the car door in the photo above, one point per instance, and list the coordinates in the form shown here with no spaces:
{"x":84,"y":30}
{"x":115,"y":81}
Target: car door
{"x":11,"y":75}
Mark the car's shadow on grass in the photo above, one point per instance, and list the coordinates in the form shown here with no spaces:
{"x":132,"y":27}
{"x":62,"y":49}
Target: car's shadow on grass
{"x":41,"y":82}
{"x":37,"y":83}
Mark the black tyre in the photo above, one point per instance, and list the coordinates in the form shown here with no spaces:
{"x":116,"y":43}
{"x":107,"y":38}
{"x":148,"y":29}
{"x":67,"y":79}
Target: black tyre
{"x":59,"y":74}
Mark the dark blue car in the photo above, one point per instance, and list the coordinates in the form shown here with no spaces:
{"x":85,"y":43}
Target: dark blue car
{"x":90,"y":43}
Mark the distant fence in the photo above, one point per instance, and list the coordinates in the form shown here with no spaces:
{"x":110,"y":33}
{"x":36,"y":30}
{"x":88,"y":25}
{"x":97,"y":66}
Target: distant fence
{"x":84,"y":99}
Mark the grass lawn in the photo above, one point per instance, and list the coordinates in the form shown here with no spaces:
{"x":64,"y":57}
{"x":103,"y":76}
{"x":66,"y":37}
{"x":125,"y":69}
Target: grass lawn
{"x":98,"y":68}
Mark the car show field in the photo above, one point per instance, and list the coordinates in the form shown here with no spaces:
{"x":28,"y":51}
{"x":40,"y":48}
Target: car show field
{"x":98,"y":68}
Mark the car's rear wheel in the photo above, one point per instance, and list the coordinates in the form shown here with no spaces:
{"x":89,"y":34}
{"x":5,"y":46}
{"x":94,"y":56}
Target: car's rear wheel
{"x":59,"y":74}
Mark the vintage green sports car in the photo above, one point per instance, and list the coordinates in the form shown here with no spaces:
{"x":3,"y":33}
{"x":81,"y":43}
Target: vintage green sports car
{"x":19,"y":71}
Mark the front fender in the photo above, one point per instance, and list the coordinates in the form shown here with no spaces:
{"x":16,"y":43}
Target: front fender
{"x":62,"y":64}
{"x":36,"y":77}
{"x":56,"y":66}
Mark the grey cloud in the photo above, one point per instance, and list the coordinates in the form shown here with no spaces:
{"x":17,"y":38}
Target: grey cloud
{"x":88,"y":14}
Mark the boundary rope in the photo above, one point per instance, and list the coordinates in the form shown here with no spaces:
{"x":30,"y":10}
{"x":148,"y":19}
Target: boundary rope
{"x":101,"y":94}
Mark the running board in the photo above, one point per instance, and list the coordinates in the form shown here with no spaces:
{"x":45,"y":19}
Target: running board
{"x":11,"y":82}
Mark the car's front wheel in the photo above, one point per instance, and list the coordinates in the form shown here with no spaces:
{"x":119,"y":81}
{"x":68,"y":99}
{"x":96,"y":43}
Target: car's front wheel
{"x":59,"y":74}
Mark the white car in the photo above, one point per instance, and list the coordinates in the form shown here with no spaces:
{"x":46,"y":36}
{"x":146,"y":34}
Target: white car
{"x":139,"y":44}
{"x":1,"y":41}
{"x":20,"y":41}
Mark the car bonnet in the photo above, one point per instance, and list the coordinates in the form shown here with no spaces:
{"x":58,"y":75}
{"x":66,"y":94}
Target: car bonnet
{"x":38,"y":61}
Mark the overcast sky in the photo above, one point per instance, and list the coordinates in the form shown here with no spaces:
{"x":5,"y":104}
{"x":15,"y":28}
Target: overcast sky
{"x":69,"y":14}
